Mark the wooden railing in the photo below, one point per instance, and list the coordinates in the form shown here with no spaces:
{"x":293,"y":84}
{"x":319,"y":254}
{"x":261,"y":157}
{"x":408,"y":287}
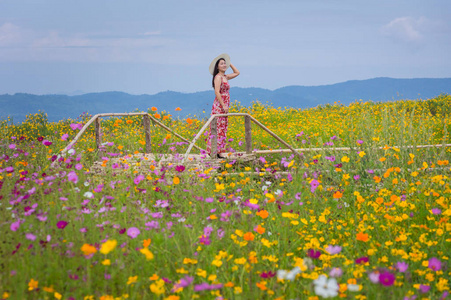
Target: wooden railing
{"x":212,"y":121}
{"x":247,"y":131}
{"x":146,"y":123}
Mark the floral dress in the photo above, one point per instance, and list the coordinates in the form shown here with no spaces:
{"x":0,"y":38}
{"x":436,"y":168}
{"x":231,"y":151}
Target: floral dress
{"x":222,"y":121}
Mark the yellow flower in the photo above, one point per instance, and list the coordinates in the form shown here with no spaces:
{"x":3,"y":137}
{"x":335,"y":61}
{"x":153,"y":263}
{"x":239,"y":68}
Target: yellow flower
{"x":157,"y":287}
{"x":362,"y":153}
{"x":149,"y":255}
{"x":345,"y":159}
{"x":176,"y":180}
{"x":106,"y":262}
{"x":108,"y":246}
{"x":132,"y":280}
{"x":57,"y":295}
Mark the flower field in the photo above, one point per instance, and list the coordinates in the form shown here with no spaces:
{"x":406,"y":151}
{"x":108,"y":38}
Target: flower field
{"x":372,"y":222}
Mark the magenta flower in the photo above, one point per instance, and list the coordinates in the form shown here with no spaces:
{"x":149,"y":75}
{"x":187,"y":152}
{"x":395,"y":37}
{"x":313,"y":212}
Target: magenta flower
{"x":72,"y":176}
{"x":76,"y":126}
{"x":133,"y":232}
{"x":313,"y":253}
{"x":64,"y":136}
{"x":435,"y":264}
{"x":387,"y":278}
{"x":268,"y":274}
{"x":180,"y":168}
{"x":61,"y":224}
{"x":46,"y":143}
{"x":12,"y":146}
{"x":205,"y":286}
{"x":362,"y":260}
{"x":204,"y":240}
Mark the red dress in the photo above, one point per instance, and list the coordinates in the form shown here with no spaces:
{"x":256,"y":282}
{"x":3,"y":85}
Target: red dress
{"x":222,"y":121}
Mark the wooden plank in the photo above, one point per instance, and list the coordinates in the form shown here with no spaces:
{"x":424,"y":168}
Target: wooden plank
{"x":248,"y":134}
{"x":146,"y":123}
{"x":98,"y":137}
{"x":197,"y":137}
{"x":214,"y":138}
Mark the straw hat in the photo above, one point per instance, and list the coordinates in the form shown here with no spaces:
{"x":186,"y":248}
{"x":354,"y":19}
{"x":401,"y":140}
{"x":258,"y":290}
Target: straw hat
{"x":225,"y":56}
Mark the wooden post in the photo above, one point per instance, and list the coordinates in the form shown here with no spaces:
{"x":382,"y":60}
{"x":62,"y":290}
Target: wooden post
{"x":98,"y":137}
{"x":214,"y":138}
{"x":248,"y":134}
{"x":146,"y":122}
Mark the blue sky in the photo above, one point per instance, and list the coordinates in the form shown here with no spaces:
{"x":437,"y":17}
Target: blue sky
{"x":149,"y":46}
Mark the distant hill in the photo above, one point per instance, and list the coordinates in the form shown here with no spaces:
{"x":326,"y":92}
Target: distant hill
{"x":60,"y":107}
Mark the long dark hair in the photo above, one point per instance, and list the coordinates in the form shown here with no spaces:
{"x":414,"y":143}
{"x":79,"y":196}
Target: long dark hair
{"x":215,"y":72}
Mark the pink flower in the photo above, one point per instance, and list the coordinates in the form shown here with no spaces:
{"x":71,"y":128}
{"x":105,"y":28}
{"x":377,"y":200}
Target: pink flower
{"x":64,"y":136}
{"x":401,"y":266}
{"x":72,"y":176}
{"x":133,"y":232}
{"x":435,"y":264}
{"x":15,"y":226}
{"x":313,"y":253}
{"x":138,"y":179}
{"x":436,"y":211}
{"x":12,"y":146}
{"x":46,"y":143}
{"x":30,"y":236}
{"x":61,"y":224}
{"x":76,"y":126}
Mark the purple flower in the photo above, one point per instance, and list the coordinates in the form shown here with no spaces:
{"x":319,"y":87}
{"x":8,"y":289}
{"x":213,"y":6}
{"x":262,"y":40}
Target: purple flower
{"x":336,"y":272}
{"x":133,"y":232}
{"x":387,"y":278}
{"x":333,"y":249}
{"x":356,"y":177}
{"x":76,"y":126}
{"x":435,"y":264}
{"x":204,"y":240}
{"x":61,"y":224}
{"x":12,"y":146}
{"x":184,"y":282}
{"x":436,"y":211}
{"x":359,"y":142}
{"x":424,"y":288}
{"x":205,"y":286}
{"x":374,"y":277}
{"x":401,"y":266}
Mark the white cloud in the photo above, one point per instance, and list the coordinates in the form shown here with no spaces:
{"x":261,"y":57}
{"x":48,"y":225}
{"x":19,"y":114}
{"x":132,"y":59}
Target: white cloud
{"x":10,"y":34}
{"x":407,"y":29}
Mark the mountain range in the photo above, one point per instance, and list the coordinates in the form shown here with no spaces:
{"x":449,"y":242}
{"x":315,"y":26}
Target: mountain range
{"x":60,"y":107}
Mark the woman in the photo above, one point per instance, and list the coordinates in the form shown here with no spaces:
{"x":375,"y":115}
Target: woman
{"x":220,"y":83}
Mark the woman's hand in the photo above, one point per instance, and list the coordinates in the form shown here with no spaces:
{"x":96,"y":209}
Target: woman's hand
{"x":225,"y":109}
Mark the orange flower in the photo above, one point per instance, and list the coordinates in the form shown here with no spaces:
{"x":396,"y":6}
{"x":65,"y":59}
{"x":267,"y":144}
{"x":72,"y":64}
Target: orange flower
{"x":338,"y":195}
{"x":154,"y":108}
{"x":178,"y":109}
{"x":88,"y":249}
{"x":260,"y":229}
{"x":248,"y":236}
{"x":362,"y":237}
{"x":129,"y":121}
{"x":157,"y":116}
{"x":263,"y":214}
{"x":146,"y":243}
{"x":189,"y":121}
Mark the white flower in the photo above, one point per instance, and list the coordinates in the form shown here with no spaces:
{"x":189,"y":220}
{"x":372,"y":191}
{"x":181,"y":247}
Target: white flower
{"x":279,"y":193}
{"x":326,"y":287}
{"x":88,"y":195}
{"x":268,"y":182}
{"x":71,"y":151}
{"x":264,"y":188}
{"x":353,"y":287}
{"x":289,"y":275}
{"x":86,"y":183}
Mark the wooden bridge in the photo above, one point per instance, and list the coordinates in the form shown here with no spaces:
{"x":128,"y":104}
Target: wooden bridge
{"x":249,"y":154}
